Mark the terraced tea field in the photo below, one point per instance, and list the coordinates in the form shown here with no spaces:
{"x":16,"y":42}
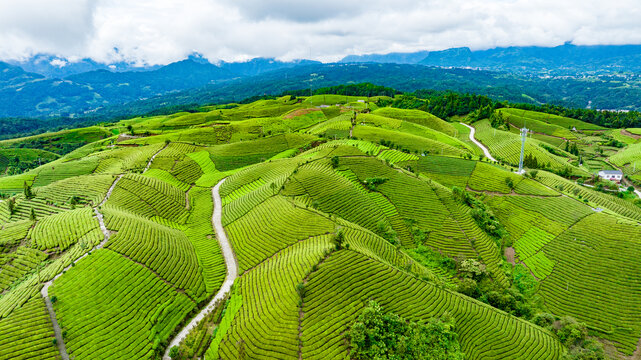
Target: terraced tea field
{"x":262,"y":231}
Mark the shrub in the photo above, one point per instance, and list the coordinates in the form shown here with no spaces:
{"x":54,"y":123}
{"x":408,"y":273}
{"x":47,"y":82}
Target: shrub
{"x":300,"y":290}
{"x":372,"y":183}
{"x":543,"y":319}
{"x":472,"y":269}
{"x":509,"y":182}
{"x":335,"y":161}
{"x":469,"y":287}
{"x":339,"y":239}
{"x":174,"y":352}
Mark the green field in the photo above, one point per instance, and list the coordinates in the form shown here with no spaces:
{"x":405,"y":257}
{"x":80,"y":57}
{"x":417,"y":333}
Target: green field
{"x":536,"y":120}
{"x":325,"y":208}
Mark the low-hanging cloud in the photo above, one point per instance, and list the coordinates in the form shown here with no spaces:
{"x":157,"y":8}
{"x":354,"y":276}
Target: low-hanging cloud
{"x":163,"y":31}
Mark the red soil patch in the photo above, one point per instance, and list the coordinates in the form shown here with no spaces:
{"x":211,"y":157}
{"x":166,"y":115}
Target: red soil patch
{"x":300,"y":112}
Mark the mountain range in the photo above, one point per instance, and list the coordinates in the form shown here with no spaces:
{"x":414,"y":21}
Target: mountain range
{"x":567,"y":59}
{"x":46,"y":86}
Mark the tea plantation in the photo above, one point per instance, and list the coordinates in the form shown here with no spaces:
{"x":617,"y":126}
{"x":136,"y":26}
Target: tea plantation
{"x":263,"y":231}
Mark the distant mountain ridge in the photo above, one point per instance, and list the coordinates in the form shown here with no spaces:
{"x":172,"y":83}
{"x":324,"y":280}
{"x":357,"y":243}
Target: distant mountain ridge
{"x":28,"y":94}
{"x":532,"y":76}
{"x":567,"y":59}
{"x":57,"y":67}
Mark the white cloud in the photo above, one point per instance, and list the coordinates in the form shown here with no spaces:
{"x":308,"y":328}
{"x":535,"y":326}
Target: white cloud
{"x":162,"y":31}
{"x":58,"y":63}
{"x":31,"y":26}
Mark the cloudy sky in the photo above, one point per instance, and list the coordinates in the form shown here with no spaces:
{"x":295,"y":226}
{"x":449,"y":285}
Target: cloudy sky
{"x":163,"y":31}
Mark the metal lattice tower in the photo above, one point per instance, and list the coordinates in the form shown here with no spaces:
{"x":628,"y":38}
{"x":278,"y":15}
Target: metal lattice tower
{"x":523,"y":136}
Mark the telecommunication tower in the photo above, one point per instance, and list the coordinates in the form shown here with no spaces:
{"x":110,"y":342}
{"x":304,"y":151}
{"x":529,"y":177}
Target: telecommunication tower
{"x":523,"y":136}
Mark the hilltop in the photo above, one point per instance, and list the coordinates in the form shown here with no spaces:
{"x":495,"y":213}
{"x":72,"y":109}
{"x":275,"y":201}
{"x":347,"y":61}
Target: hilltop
{"x":131,"y":234}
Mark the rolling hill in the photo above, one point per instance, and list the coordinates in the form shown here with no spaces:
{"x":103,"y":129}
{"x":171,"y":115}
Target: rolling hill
{"x":263,"y":230}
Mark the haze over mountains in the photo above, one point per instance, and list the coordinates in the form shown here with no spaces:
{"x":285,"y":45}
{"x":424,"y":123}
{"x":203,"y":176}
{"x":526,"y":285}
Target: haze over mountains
{"x":46,"y":86}
{"x":566,"y":59}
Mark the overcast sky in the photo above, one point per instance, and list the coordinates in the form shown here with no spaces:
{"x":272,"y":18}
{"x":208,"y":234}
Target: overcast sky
{"x":163,"y":31}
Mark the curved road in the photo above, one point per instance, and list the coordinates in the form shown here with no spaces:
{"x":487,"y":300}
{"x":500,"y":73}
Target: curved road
{"x":44,"y":292}
{"x":230,"y":262}
{"x":153,"y":157}
{"x":478,"y":143}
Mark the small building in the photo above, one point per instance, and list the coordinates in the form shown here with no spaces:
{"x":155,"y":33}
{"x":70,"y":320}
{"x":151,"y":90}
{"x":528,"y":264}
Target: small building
{"x":612,"y":175}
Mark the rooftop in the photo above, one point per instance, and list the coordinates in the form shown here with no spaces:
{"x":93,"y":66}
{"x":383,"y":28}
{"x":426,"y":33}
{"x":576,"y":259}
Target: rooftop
{"x":611,"y":172}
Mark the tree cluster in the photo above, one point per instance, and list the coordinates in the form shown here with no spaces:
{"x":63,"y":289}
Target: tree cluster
{"x":482,"y":214}
{"x":379,"y":335}
{"x":571,"y":147}
{"x":572,"y":334}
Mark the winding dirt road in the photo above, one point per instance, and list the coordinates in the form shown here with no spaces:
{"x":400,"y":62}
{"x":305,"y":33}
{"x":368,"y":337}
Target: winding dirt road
{"x":230,"y":262}
{"x":153,"y":157}
{"x":45,"y":289}
{"x":478,"y":143}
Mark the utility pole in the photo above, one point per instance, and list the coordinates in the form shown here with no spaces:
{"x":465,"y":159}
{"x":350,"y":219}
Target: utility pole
{"x":523,"y":136}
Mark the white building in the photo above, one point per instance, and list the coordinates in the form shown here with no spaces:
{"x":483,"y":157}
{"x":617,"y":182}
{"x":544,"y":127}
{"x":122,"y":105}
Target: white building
{"x":612,"y":175}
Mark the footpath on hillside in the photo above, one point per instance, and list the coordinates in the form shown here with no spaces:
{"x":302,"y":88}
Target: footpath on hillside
{"x":486,"y":151}
{"x":45,"y":289}
{"x":230,"y":262}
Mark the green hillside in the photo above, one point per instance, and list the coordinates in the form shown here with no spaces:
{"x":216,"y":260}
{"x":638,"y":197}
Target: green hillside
{"x":546,"y":123}
{"x":265,"y":229}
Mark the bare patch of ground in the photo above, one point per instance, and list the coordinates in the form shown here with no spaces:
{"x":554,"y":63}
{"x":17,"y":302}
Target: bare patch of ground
{"x":627,"y":133}
{"x":509,"y":254}
{"x":300,"y":112}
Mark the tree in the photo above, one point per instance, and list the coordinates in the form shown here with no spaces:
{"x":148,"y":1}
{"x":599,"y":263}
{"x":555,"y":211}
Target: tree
{"x":574,"y":335}
{"x":473,"y":269}
{"x":339,"y":239}
{"x":33,"y":216}
{"x":380,"y":335}
{"x":386,"y":232}
{"x":273,"y":187}
{"x":300,"y":290}
{"x":27,"y":191}
{"x":335,"y":160}
{"x":130,"y":129}
{"x":75,"y":200}
{"x":509,"y":182}
{"x":174,"y":352}
{"x":11,"y":205}
{"x":572,"y":332}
